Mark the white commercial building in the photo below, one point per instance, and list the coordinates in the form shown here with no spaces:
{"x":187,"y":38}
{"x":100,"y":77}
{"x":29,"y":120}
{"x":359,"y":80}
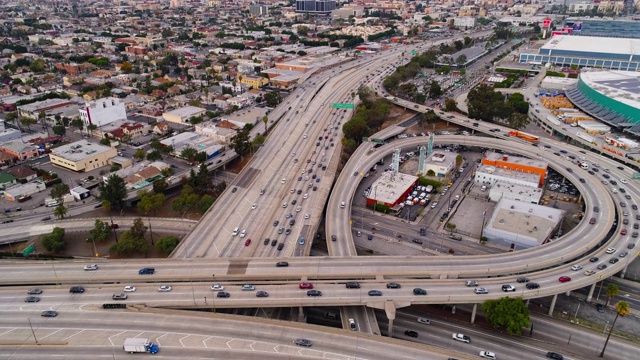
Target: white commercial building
{"x":82,"y":156}
{"x":195,"y":141}
{"x":521,"y":225}
{"x":464,"y":22}
{"x":391,"y":189}
{"x":101,"y":112}
{"x":504,"y":190}
{"x":490,"y":175}
{"x":183,"y":114}
{"x":440,"y":162}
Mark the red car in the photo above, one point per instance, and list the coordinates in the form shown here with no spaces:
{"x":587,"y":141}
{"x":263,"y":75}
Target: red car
{"x":564,"y":279}
{"x":623,"y":232}
{"x":248,"y":242}
{"x":306,"y":285}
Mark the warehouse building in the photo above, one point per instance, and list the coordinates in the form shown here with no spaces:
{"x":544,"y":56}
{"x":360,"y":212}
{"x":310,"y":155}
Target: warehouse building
{"x":183,"y":114}
{"x":497,"y":166}
{"x":521,"y":225}
{"x":391,"y":189}
{"x":441,"y":163}
{"x":82,"y":156}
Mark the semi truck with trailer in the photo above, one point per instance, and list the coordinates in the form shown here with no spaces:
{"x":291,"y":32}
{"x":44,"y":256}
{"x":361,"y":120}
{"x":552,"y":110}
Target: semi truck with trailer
{"x":524,"y":136}
{"x":139,"y":345}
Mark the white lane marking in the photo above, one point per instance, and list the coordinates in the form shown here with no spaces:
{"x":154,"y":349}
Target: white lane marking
{"x":115,"y":335}
{"x":204,"y":342}
{"x":182,"y":338}
{"x":44,"y":337}
{"x":70,"y":336}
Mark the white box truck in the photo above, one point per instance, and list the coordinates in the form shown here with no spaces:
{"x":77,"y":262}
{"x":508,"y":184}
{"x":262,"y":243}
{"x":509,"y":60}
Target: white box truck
{"x":138,"y":345}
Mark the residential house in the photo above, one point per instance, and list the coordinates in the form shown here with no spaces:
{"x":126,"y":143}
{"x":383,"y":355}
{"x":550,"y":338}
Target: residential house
{"x":7,"y":180}
{"x":23,"y":173}
{"x":19,"y":149}
{"x":162,"y":129}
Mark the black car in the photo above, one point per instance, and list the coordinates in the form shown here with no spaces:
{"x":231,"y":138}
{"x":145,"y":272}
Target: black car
{"x":554,"y":356}
{"x":522,"y":280}
{"x":532,"y":285}
{"x":600,"y":308}
{"x":76,"y":290}
{"x":223,"y":294}
{"x":303,"y":342}
{"x":275,"y":223}
{"x":369,"y":237}
{"x":31,"y":299}
{"x":282,"y":264}
{"x":411,"y":333}
{"x":266,"y":241}
{"x":374,"y":293}
{"x":274,"y":242}
{"x":262,"y":294}
{"x":352,"y":285}
{"x":314,"y":293}
{"x":34,"y":291}
{"x":417,"y":241}
{"x":49,"y":313}
{"x":594,"y":259}
{"x":333,"y":238}
{"x":146,"y":271}
{"x":602,"y":267}
{"x":281,"y":245}
{"x":419,"y":291}
{"x":423,"y":231}
{"x":613,"y":260}
{"x":393,"y":285}
{"x":234,"y":189}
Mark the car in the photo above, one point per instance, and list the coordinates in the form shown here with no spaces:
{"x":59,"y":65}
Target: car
{"x":91,"y":267}
{"x":266,"y":241}
{"x":487,"y":355}
{"x":461,"y":337}
{"x":411,"y":333}
{"x":115,"y":226}
{"x":234,"y":189}
{"x":280,"y":230}
{"x":314,"y":293}
{"x":164,"y":288}
{"x":303,"y":342}
{"x":508,"y":287}
{"x":419,"y":291}
{"x":393,"y":285}
{"x":275,"y":223}
{"x":480,"y":291}
{"x":471,"y":283}
{"x":374,"y":293}
{"x":254,"y":206}
{"x":46,"y":218}
{"x":301,"y":241}
{"x":601,"y":308}
{"x":281,"y":245}
{"x":417,"y":241}
{"x":31,"y":299}
{"x":76,"y":289}
{"x":594,"y":259}
{"x":564,"y":279}
{"x":611,"y":250}
{"x":146,"y":271}
{"x":294,"y":201}
{"x":631,"y":246}
{"x":352,"y":285}
{"x":305,"y":285}
{"x":248,"y":287}
{"x":282,"y":264}
{"x":119,"y":296}
{"x":623,"y":232}
{"x":248,"y":242}
{"x":34,"y":291}
{"x":274,"y":242}
{"x":425,"y":321}
{"x":352,"y":325}
{"x":49,"y":313}
{"x":287,"y":232}
{"x":554,"y":356}
{"x":217,"y":287}
{"x":623,"y":254}
{"x":532,"y":285}
{"x":522,"y":279}
{"x":576,"y":267}
{"x":602,"y":266}
{"x":262,"y":294}
{"x":223,"y":294}
{"x":613,"y":260}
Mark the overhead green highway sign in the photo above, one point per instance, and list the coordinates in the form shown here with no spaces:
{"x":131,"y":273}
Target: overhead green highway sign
{"x":343,"y":106}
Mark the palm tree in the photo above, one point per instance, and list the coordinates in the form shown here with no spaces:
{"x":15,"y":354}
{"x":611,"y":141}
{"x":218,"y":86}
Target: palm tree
{"x":622,"y":309}
{"x":60,"y":211}
{"x":612,"y":291}
{"x":106,"y":205}
{"x":265,"y":120}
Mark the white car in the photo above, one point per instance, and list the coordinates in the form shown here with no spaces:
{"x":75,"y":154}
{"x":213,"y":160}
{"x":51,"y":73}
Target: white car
{"x":217,"y":287}
{"x":461,"y":337}
{"x":91,"y":267}
{"x":305,"y":196}
{"x":283,"y":180}
{"x":243,"y":233}
{"x":433,"y":206}
{"x":425,"y":321}
{"x":254,"y":206}
{"x":298,"y":209}
{"x":611,"y":250}
{"x":623,"y":181}
{"x":576,"y":267}
{"x":487,"y":355}
{"x":164,"y":288}
{"x":129,"y":288}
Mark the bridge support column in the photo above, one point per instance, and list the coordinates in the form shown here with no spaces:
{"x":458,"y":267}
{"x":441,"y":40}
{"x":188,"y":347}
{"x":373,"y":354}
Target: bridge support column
{"x":301,"y":315}
{"x":527,"y":303}
{"x":568,"y":293}
{"x":591,"y":289}
{"x":453,"y":309}
{"x":473,"y":313}
{"x":553,"y":304}
{"x":624,"y":270}
{"x":390,"y":310}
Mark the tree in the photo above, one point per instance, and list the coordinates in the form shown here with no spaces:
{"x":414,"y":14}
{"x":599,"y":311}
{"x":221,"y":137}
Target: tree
{"x":59,"y":130}
{"x":622,"y":309}
{"x":130,"y":243}
{"x":188,"y":153}
{"x":154,"y":155}
{"x":114,"y":191}
{"x":139,"y":154}
{"x":106,"y":205}
{"x":205,"y":202}
{"x":91,"y":127}
{"x":431,"y":117}
{"x":265,"y":120}
{"x":434,"y":89}
{"x":200,"y":181}
{"x":450,"y":105}
{"x":273,"y":98}
{"x":509,"y":313}
{"x":151,"y":202}
{"x":101,"y":231}
{"x":612,"y":291}
{"x":55,"y":241}
{"x":460,"y":60}
{"x":167,"y":244}
{"x":159,"y":186}
{"x":58,"y":191}
{"x":138,"y":230}
{"x":105,"y":141}
{"x":126,"y":67}
{"x":241,"y":143}
{"x":186,"y":201}
{"x":518,"y":121}
{"x":60,"y":211}
{"x":27,"y":122}
{"x":459,"y":161}
{"x":451,"y":227}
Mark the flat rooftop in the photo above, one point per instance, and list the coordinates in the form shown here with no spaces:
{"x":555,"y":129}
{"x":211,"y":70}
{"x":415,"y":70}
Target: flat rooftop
{"x":186,"y":111}
{"x":79,"y":150}
{"x":509,"y":174}
{"x":389,"y":186}
{"x":622,"y":86}
{"x":494,"y":156}
{"x":529,"y":220}
{"x":594,"y":44}
{"x":523,"y":192}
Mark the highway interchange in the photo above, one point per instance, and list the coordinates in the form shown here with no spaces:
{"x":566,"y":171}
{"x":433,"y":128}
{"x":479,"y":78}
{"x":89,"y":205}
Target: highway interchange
{"x":439,"y":275}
